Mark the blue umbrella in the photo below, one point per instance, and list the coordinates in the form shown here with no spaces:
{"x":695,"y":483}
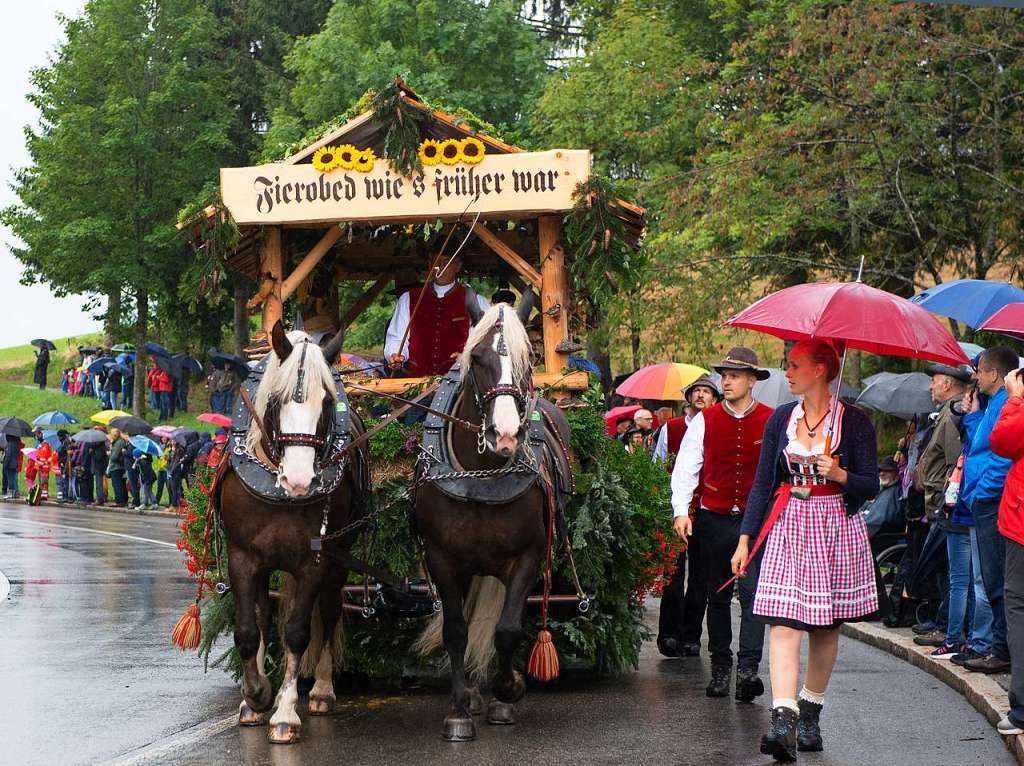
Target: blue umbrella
{"x":156,"y":349}
{"x":970,"y":301}
{"x":97,"y":366}
{"x":971,"y":349}
{"x":51,"y":438}
{"x":147,"y":445}
{"x":55,"y":418}
{"x":580,"y":363}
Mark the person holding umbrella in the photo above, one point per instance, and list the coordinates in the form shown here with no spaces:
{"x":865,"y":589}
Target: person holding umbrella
{"x":817,"y":571}
{"x":42,"y":362}
{"x":116,"y":467}
{"x":714,"y":473}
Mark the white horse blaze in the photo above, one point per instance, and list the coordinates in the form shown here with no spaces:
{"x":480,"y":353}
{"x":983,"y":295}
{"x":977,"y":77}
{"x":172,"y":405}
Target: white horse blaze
{"x":506,"y":415}
{"x":297,"y":463}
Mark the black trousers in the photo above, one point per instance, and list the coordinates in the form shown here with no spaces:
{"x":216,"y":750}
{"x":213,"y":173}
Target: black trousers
{"x":716,"y":535}
{"x":683,"y":602}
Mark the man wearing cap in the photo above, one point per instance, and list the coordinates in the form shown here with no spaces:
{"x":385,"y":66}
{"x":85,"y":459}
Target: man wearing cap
{"x":682,"y":612}
{"x":717,"y":462}
{"x":440,"y":327}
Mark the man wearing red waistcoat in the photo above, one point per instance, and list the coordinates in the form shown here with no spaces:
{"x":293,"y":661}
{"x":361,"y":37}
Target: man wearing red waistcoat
{"x":439,"y":328}
{"x":717,"y":462}
{"x":683,"y":600}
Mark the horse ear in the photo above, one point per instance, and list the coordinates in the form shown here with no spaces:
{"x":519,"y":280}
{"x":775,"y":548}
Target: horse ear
{"x":332,"y":349}
{"x":526,"y":306}
{"x":473,"y":307}
{"x":278,"y":339}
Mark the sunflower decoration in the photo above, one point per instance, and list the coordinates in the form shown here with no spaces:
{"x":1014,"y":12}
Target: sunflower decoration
{"x":471,"y":150}
{"x":451,"y":151}
{"x":430,"y":152}
{"x":347,"y":156}
{"x":325,"y":159}
{"x":364,"y":160}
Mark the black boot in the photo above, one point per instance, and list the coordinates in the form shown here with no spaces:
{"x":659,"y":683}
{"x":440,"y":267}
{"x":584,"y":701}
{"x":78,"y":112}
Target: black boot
{"x":780,"y":741}
{"x":719,"y":686}
{"x":669,"y":647}
{"x":904,"y":615}
{"x":808,"y":732}
{"x":748,"y":685}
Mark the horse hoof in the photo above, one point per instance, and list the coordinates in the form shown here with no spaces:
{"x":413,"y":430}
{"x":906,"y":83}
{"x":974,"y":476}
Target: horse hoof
{"x":321,"y":705}
{"x":476,"y":702}
{"x":459,"y":729}
{"x":501,"y":713}
{"x":249,"y":717}
{"x":511,"y":688}
{"x":283,"y":734}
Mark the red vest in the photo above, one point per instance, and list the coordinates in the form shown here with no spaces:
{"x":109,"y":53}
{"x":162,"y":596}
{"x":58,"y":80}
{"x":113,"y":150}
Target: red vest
{"x":732,"y":447}
{"x":676,"y":430}
{"x":439,"y":329}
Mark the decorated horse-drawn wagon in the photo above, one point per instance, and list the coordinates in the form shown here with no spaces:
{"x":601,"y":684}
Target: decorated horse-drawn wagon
{"x":466,"y":505}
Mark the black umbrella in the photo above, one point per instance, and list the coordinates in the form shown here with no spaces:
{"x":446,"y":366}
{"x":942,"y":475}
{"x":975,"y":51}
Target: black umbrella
{"x":130,"y":424}
{"x":187,"y":362}
{"x":168,"y":365}
{"x":185,"y":436}
{"x":904,"y":396}
{"x":89,"y":436}
{"x":220,"y":358}
{"x":156,"y":349}
{"x":44,"y":343}
{"x":15,"y":427}
{"x":96,"y":367}
{"x":87,"y":350}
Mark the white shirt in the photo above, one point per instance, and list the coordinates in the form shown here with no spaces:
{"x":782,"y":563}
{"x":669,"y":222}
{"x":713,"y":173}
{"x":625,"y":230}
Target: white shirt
{"x":400,"y":319}
{"x":686,"y":473}
{"x":661,"y":446}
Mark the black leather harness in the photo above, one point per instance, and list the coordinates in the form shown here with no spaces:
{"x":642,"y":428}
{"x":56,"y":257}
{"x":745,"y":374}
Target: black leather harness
{"x":260,"y":478}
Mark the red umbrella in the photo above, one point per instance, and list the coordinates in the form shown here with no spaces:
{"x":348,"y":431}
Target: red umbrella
{"x":863,"y":317}
{"x":215,"y":418}
{"x":615,"y":414}
{"x":1009,"y":320}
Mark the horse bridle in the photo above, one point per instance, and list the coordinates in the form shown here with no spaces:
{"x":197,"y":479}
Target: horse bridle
{"x":524,"y":395}
{"x":277,"y":440}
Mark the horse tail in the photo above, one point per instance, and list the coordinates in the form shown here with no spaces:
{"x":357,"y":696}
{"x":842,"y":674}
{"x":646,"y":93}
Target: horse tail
{"x":482,"y":609}
{"x":307,"y":666}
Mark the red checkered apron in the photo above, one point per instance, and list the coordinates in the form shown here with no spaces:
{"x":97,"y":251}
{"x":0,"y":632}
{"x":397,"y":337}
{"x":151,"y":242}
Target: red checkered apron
{"x":817,"y":567}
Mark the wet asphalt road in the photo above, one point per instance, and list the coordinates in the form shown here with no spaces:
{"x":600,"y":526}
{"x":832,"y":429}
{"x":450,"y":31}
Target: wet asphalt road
{"x":87,"y":676}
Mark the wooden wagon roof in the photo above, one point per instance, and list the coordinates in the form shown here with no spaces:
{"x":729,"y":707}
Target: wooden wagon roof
{"x":374,"y":254}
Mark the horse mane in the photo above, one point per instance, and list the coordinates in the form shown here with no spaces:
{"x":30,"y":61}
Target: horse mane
{"x":279,"y":379}
{"x":520,"y":350}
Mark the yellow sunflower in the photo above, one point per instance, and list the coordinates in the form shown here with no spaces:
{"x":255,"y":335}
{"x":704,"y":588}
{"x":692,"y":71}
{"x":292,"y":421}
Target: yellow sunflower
{"x":430,"y":152}
{"x":325,"y":159}
{"x":471,"y":150}
{"x":364,"y":160}
{"x":451,"y":150}
{"x":347,"y":156}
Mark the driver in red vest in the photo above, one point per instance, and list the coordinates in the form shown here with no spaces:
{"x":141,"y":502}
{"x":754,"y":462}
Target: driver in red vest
{"x":439,"y":328}
{"x":716,"y":463}
{"x":684,"y":599}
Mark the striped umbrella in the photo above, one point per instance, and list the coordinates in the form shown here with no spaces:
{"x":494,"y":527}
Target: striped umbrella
{"x":664,"y":381}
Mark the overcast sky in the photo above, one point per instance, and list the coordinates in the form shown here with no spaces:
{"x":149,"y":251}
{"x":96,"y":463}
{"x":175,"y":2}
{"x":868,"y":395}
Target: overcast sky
{"x":28,"y":36}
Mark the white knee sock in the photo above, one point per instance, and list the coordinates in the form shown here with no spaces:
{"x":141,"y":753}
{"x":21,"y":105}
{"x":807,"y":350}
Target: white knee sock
{"x":807,"y":694}
{"x":786,"y":702}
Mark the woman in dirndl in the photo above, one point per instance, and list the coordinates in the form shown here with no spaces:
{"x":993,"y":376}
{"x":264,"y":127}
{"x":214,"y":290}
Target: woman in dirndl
{"x":817,"y":571}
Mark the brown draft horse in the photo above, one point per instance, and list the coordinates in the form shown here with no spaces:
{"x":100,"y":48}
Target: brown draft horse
{"x":296,"y":400}
{"x":484,"y":558}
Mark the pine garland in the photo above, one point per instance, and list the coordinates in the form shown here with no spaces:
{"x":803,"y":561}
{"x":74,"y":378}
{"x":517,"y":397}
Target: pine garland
{"x":402,"y":132}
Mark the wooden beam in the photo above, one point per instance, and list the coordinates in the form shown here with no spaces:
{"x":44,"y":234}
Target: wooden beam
{"x":307,"y":264}
{"x":368,"y":296}
{"x":554,"y":293}
{"x":570,"y":381}
{"x":271,"y":267}
{"x":509,"y":255}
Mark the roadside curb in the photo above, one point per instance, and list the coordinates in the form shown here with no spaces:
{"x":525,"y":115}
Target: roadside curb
{"x":100,"y":509}
{"x":982,"y":691}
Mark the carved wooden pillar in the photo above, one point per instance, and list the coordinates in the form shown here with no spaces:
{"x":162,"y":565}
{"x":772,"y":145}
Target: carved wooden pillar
{"x":554,"y":292}
{"x":272,"y":267}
